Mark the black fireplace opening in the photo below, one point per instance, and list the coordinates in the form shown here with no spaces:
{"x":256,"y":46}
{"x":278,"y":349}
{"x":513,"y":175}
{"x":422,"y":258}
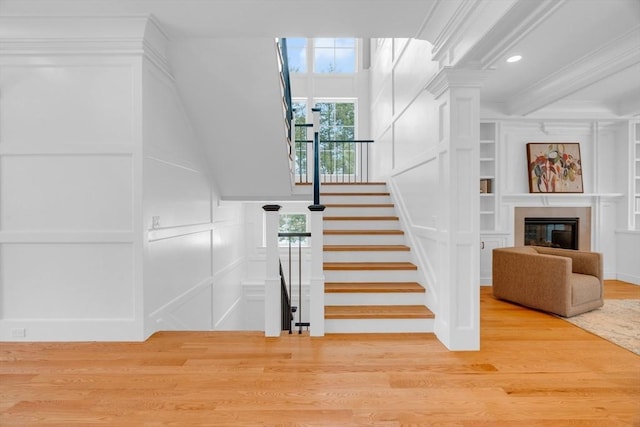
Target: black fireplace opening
{"x":552,"y":232}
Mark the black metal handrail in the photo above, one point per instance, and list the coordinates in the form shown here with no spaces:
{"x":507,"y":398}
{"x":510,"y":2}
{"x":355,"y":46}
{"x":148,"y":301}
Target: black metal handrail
{"x":285,"y":81}
{"x":288,"y":311}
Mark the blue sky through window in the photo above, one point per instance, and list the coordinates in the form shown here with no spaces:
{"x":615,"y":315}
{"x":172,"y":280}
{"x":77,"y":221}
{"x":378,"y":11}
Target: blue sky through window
{"x":330,"y":55}
{"x":297,"y":54}
{"x":334,"y":55}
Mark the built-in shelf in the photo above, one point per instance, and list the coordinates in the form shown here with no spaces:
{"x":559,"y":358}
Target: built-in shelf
{"x":634,"y":220}
{"x":488,"y":159}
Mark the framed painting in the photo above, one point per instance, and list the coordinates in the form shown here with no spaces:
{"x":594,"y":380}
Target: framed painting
{"x":554,"y":168}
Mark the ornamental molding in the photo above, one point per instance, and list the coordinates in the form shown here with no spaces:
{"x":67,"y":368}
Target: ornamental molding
{"x":139,"y":35}
{"x":449,"y":78}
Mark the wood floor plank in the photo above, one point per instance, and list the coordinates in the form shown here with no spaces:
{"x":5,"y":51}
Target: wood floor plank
{"x":533,"y":369}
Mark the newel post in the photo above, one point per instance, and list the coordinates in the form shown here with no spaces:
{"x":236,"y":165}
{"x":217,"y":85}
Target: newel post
{"x":272,"y":297}
{"x":316,"y":291}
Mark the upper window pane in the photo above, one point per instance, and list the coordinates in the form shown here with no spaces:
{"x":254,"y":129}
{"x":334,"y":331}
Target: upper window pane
{"x":334,"y":55}
{"x":297,"y":54}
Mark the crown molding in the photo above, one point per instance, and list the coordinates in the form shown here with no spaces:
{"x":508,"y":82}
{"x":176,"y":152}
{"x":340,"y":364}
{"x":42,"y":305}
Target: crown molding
{"x":450,"y":31}
{"x":449,"y":77}
{"x":84,"y":35}
{"x":609,"y":59}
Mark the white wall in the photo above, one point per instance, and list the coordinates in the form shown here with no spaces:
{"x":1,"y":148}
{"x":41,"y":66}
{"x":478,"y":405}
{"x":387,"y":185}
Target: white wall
{"x":404,"y":122}
{"x":92,"y":146}
{"x":70,"y":259}
{"x":194,"y":260}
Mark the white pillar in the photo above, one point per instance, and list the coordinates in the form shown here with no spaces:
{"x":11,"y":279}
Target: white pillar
{"x":458,"y":313}
{"x":272,"y":296}
{"x":316,"y":292}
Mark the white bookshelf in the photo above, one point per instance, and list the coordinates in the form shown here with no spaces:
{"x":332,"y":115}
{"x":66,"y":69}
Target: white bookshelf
{"x":488,"y":159}
{"x":635,"y":173}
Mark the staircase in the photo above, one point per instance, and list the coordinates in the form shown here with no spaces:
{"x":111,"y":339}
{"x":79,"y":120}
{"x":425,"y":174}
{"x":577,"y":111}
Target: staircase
{"x":370,"y":282}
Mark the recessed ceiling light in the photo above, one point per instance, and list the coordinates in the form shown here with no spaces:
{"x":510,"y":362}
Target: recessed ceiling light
{"x":514,"y":58}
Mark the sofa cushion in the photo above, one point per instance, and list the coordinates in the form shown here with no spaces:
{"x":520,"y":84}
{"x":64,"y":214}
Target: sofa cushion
{"x":584,"y":289}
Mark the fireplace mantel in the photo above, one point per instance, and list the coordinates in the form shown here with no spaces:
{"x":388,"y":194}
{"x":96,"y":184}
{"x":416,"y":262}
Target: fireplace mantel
{"x":556,"y":199}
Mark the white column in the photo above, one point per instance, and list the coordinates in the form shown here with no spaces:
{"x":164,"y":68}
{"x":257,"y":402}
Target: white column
{"x":316,"y":292}
{"x":458,"y":312}
{"x":272,"y":296}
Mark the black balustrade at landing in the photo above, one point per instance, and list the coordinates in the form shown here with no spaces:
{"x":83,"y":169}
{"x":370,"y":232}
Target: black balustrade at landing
{"x":288,"y":310}
{"x":340,"y":161}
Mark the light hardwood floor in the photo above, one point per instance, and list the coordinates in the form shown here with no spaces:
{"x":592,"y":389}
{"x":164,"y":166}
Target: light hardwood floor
{"x":533,"y":370}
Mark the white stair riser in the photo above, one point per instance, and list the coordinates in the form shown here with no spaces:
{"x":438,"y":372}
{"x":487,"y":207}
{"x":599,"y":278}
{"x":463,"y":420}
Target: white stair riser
{"x":353,"y":188}
{"x":370,"y":275}
{"x":364,"y":239}
{"x":360,"y":211}
{"x":347,"y":326}
{"x":399,"y":298}
{"x":367,"y":256}
{"x":361,"y":225}
{"x":355,"y":199}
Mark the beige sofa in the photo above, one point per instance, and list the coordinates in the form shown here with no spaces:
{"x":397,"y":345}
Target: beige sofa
{"x":560,"y":281}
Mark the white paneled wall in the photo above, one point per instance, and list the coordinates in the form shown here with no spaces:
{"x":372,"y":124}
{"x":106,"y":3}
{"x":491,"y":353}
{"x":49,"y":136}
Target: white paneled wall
{"x":69,"y":263}
{"x":194,"y":261}
{"x":427,"y":150}
{"x":94,"y":144}
{"x":405,"y":127}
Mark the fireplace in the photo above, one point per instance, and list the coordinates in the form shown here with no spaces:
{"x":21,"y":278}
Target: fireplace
{"x":582,"y":228}
{"x":552,"y":232}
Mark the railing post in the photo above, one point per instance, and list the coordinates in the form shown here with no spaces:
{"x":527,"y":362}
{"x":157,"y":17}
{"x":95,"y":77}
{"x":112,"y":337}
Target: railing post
{"x":316,"y":156}
{"x":316,"y":291}
{"x":272,"y":297}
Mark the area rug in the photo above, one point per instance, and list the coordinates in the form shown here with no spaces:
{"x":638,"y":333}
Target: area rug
{"x":617,"y":321}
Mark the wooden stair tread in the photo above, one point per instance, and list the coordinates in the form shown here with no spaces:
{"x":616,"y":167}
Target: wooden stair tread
{"x":354,"y":183}
{"x":373,"y":287}
{"x":356,"y":194}
{"x":359,"y":205}
{"x":369,"y":266}
{"x":346,"y":232}
{"x":367,"y":248}
{"x":361,"y":218}
{"x":377,"y":312}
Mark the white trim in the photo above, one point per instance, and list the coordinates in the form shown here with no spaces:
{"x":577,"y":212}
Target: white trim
{"x":181,"y":299}
{"x":236,"y":304}
{"x":99,"y":237}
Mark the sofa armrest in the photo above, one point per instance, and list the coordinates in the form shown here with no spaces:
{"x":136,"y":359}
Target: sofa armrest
{"x":532,"y":279}
{"x":583,"y":262}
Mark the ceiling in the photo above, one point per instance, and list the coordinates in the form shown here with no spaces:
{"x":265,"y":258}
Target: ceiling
{"x":579,"y":56}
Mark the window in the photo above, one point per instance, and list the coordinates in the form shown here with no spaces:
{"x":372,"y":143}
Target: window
{"x":297,"y":55}
{"x":293,"y":223}
{"x":334,"y":55}
{"x":300,"y":117}
{"x":337,"y":123}
{"x":330,"y":55}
